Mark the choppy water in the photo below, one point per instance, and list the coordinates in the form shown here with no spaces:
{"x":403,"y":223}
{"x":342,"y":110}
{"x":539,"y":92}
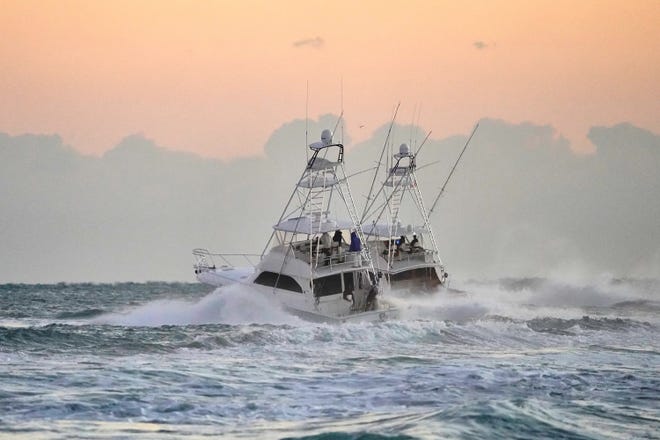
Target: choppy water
{"x":520,"y":358}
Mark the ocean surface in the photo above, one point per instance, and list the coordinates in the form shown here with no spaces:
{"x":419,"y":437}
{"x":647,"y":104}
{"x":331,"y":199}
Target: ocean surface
{"x":511,"y":359}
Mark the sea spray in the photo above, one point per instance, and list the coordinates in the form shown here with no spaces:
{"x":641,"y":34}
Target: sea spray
{"x":236,"y":304}
{"x":501,"y":359}
{"x":530,"y":298}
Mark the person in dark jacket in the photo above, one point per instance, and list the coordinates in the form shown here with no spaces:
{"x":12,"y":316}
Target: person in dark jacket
{"x":337,"y":240}
{"x":356,"y":244}
{"x":413,"y":244}
{"x":399,"y":244}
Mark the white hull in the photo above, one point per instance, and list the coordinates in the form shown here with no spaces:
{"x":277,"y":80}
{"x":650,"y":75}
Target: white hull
{"x":330,"y":309}
{"x":373,"y":316}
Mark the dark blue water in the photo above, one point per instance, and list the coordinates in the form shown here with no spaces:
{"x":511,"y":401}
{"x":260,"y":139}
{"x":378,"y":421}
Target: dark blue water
{"x":518,"y":358}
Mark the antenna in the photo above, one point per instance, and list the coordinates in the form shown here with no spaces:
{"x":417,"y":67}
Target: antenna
{"x":412,"y":124}
{"x":307,"y":121}
{"x":419,"y":115}
{"x":341,"y":92}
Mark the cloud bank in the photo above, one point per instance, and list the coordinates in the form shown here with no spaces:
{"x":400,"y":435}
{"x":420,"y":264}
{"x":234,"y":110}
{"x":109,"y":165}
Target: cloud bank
{"x":521,"y":203}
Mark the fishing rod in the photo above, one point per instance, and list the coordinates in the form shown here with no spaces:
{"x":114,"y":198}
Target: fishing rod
{"x":442,"y":190}
{"x":339,"y":120}
{"x":367,"y":206}
{"x":422,"y":144}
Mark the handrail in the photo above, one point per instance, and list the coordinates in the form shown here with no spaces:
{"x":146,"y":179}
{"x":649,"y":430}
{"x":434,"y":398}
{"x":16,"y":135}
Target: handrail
{"x":205,"y":259}
{"x":335,"y":260}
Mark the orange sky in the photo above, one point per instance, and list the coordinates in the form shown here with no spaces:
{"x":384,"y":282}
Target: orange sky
{"x":217,"y":77}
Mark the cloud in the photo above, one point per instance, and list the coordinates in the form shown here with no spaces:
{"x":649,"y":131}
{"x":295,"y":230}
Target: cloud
{"x":481,"y":45}
{"x":316,"y":43}
{"x":520,"y":203}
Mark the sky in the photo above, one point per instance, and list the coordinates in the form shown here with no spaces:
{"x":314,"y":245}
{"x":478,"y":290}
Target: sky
{"x":134,"y":131}
{"x":216,"y":78}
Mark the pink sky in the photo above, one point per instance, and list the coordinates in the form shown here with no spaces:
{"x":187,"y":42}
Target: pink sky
{"x":216,"y":78}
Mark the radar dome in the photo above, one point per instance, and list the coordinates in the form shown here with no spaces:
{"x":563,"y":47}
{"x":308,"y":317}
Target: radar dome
{"x":326,"y":137}
{"x":404,"y":150}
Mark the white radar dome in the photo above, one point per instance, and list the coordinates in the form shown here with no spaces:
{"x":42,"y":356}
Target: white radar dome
{"x":326,"y":137}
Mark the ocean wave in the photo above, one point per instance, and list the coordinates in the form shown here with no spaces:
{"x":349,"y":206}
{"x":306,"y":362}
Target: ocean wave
{"x":80,"y":314}
{"x":563,"y":326}
{"x":638,"y":305}
{"x":229,"y":305}
{"x":489,"y":333}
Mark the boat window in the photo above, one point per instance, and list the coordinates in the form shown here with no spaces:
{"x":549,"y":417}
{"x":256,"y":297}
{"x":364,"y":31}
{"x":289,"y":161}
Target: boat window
{"x":285,"y":282}
{"x":349,"y":285}
{"x":329,"y":285}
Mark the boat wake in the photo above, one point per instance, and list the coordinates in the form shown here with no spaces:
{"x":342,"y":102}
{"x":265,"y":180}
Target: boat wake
{"x":546,"y":306}
{"x":233,"y":305}
{"x":533,"y":299}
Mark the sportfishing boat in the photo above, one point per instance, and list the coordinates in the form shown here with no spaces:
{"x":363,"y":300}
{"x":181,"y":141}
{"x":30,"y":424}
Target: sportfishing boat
{"x":314,"y":275}
{"x":406,"y":253}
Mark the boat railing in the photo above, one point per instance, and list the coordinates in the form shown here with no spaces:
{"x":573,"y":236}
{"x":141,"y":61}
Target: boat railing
{"x":340,"y":260}
{"x":417,"y":255}
{"x":205,"y":260}
{"x":332,"y":259}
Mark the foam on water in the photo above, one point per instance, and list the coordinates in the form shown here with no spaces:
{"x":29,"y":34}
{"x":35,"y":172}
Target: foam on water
{"x":526,"y":299}
{"x":509,"y":359}
{"x":236,"y":304}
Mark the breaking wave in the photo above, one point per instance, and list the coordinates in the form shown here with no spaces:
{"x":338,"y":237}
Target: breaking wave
{"x":227,"y":305}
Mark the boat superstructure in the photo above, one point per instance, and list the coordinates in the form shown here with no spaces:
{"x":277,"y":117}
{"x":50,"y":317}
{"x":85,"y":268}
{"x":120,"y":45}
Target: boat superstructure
{"x":406,"y":253}
{"x":314,"y":262}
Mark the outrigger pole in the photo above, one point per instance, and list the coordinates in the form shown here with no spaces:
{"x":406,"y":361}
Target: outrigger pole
{"x":442,"y":190}
{"x":367,"y":206}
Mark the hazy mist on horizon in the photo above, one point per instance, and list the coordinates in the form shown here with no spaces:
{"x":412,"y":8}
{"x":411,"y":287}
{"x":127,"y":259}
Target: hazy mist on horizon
{"x":521,"y":203}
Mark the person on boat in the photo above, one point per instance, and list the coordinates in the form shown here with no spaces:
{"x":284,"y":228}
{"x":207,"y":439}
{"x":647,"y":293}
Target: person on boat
{"x":399,"y":244}
{"x":326,"y":244}
{"x":356,"y":244}
{"x":413,"y":244}
{"x":337,"y":240}
{"x":388,"y":247}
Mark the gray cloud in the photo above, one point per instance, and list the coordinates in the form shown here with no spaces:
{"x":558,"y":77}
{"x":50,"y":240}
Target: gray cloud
{"x":316,"y":43}
{"x":521,"y":203}
{"x":480,"y":45}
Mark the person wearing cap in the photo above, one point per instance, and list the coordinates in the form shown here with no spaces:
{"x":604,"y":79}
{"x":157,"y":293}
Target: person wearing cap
{"x":413,"y":244}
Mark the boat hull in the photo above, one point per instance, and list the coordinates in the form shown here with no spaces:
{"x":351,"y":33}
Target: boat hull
{"x":422,"y":280}
{"x":329,"y":309}
{"x":371,"y":316}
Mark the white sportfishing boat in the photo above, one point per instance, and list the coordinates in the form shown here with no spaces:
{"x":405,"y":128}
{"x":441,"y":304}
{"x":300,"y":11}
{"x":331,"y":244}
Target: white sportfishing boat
{"x":406,"y":253}
{"x":314,"y":276}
